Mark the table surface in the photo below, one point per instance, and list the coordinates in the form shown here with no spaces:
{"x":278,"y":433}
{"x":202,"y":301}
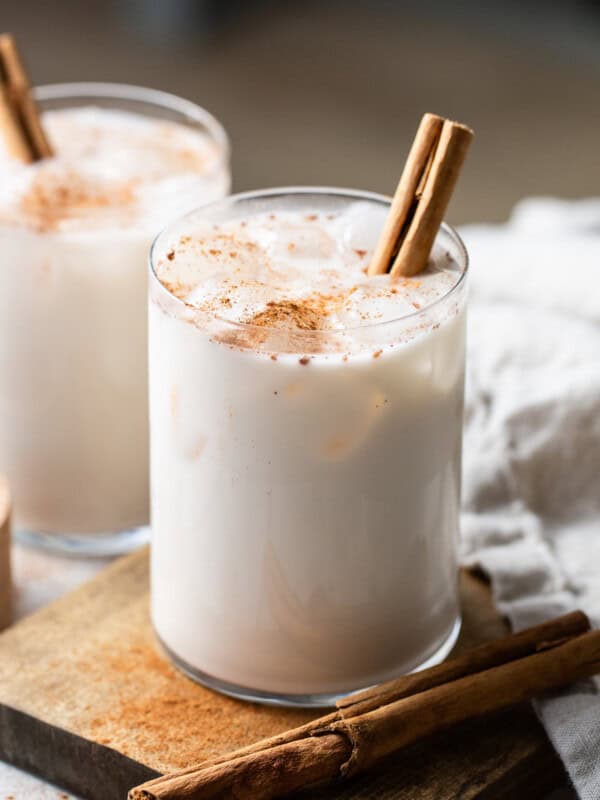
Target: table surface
{"x":40,"y":578}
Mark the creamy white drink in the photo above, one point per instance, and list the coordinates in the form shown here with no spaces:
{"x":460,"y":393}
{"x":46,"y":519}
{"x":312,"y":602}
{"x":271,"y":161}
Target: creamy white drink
{"x":306,"y":438}
{"x":75,"y":230}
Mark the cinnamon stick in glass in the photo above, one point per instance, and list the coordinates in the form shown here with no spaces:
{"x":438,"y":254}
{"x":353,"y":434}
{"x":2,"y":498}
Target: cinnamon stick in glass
{"x":20,"y":125}
{"x":422,"y":197}
{"x":372,"y":726}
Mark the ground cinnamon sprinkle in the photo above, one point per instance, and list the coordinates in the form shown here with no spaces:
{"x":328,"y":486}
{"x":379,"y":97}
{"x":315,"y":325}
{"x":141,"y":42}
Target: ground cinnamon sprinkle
{"x":154,"y":712}
{"x":178,"y":288}
{"x":52,"y":198}
{"x":296,"y":316}
{"x":307,"y":314}
{"x":299,"y":316}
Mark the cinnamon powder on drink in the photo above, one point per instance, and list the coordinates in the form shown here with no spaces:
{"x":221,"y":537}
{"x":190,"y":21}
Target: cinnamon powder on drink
{"x":52,"y":198}
{"x":298,"y":317}
{"x":305,"y":314}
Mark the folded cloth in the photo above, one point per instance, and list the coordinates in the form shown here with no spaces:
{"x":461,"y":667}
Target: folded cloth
{"x":531,"y":478}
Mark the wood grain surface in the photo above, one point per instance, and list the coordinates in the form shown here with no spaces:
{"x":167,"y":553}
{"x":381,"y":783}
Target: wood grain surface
{"x":89,"y":702}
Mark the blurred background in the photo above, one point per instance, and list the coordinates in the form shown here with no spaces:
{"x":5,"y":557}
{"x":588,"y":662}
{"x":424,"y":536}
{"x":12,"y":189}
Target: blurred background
{"x":330,"y":92}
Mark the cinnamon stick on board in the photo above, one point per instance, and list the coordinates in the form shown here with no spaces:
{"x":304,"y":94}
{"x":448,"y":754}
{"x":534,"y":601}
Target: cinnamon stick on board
{"x":485,"y":656}
{"x":20,"y":124}
{"x":421,"y":199}
{"x":363,"y":731}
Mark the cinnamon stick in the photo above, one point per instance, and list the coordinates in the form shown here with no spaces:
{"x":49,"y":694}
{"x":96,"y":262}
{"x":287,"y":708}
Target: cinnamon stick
{"x":20,"y":123}
{"x":364,"y":730}
{"x":404,"y":200}
{"x":422,"y":197}
{"x":493,"y":654}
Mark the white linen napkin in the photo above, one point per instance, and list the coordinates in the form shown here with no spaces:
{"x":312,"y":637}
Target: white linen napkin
{"x":531,"y":478}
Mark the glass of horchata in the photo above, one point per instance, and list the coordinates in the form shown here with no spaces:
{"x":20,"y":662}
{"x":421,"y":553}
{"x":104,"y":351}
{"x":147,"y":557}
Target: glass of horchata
{"x":75,"y":230}
{"x":306,"y":443}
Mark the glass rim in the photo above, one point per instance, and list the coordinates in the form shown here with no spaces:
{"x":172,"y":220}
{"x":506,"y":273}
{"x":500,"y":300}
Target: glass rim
{"x":286,"y":191}
{"x":104,"y":90}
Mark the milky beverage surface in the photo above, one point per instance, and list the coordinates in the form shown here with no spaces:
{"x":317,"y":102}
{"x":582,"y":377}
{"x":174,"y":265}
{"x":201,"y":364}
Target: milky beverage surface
{"x":110,"y":169}
{"x":297,"y":271}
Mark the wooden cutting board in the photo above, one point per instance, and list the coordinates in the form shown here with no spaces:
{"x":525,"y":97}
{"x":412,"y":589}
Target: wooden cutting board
{"x":89,"y":702}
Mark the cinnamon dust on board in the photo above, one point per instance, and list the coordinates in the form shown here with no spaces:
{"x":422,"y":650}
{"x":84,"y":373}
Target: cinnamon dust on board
{"x":148,"y":697}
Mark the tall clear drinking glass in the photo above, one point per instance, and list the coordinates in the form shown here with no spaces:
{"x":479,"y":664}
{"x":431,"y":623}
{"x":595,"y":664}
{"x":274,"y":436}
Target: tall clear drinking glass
{"x":305,"y":483}
{"x":74,"y":240}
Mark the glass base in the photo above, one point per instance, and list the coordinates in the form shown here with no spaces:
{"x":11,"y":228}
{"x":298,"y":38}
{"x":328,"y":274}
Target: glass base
{"x":295,"y":700}
{"x":85,"y":544}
